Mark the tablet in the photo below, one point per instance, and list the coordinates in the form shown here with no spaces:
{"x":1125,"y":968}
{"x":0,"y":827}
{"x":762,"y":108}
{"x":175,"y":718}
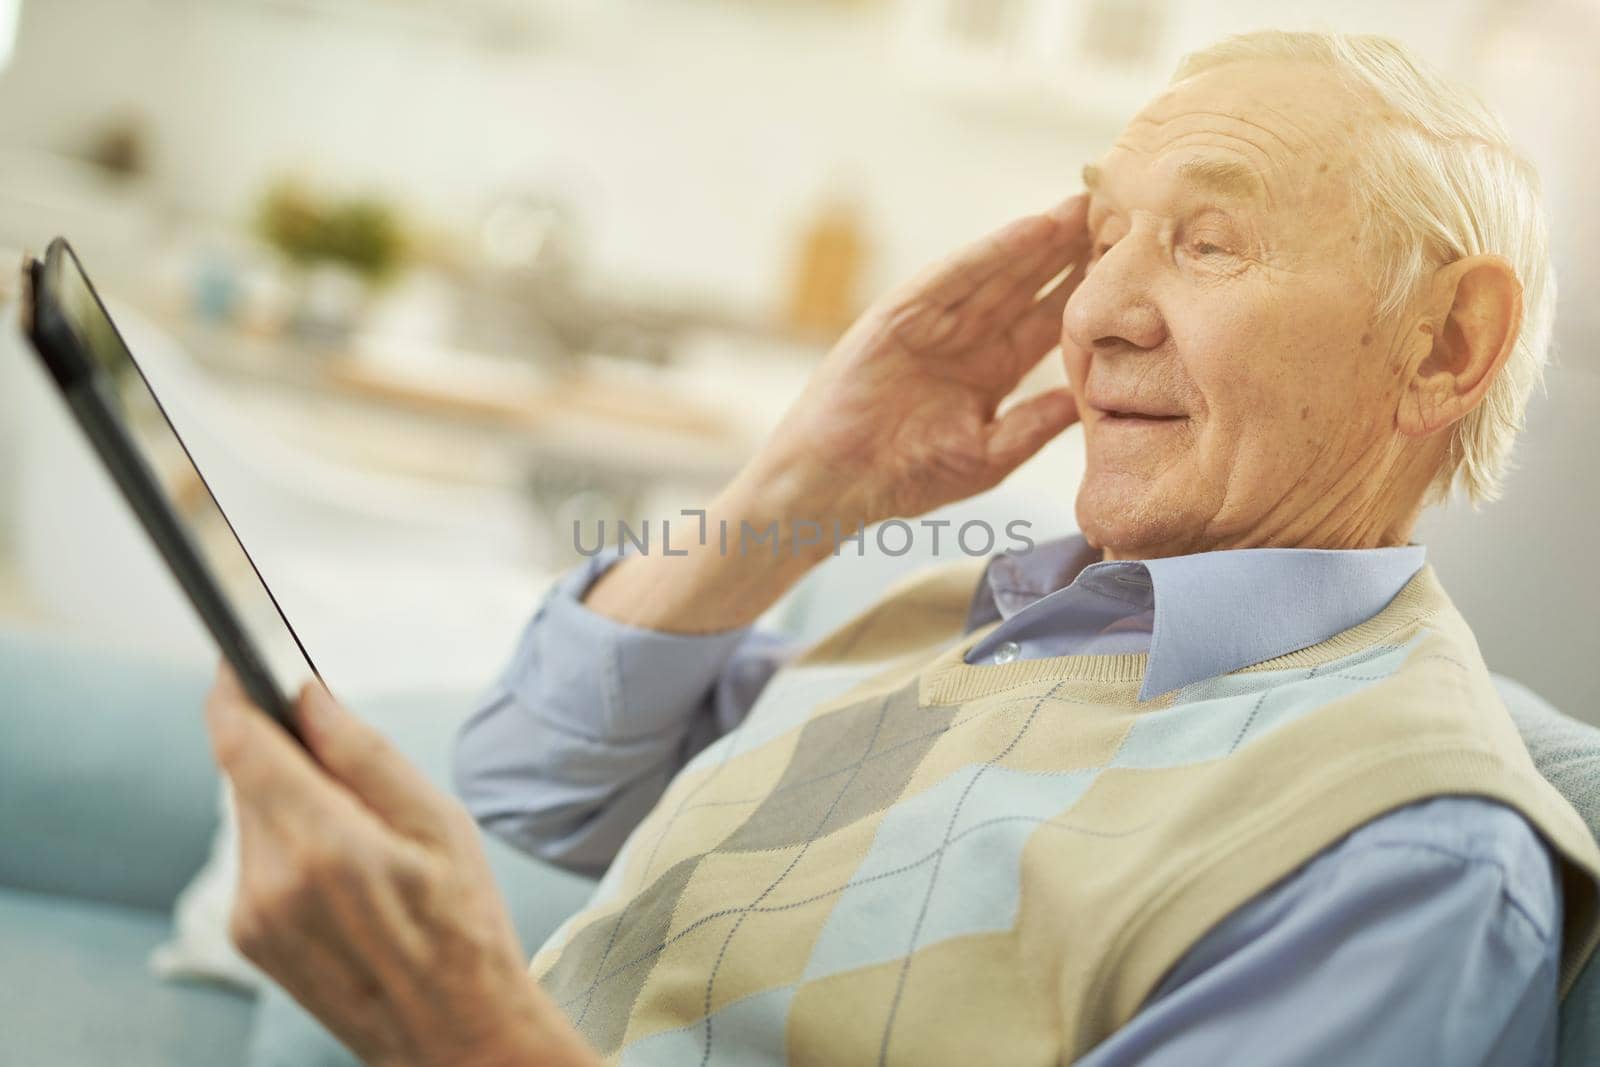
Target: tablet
{"x":118,"y":410}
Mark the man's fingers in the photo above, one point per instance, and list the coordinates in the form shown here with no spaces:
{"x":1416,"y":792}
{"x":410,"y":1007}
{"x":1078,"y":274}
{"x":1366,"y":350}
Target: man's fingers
{"x":1008,"y":358}
{"x":269,"y":771}
{"x":1038,"y":331}
{"x":1023,"y":430}
{"x":227,"y":682}
{"x":1012,"y":278}
{"x":235,"y":728}
{"x":365,"y":762}
{"x":1010,"y":291}
{"x":359,"y":771}
{"x":960,"y":276}
{"x":956,"y":278}
{"x":1028,"y":275}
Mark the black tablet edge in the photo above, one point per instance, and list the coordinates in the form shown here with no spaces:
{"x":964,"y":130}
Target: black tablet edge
{"x":82,"y":388}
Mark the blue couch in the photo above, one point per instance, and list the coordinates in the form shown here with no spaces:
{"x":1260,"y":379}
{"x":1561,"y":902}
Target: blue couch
{"x":107,"y":807}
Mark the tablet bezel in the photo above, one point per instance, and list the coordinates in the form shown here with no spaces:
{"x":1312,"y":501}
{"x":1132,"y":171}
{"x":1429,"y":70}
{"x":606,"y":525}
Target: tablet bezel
{"x":89,"y":393}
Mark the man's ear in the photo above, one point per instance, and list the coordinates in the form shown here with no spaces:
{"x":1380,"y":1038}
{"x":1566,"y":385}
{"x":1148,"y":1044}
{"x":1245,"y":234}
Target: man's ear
{"x":1469,"y":326}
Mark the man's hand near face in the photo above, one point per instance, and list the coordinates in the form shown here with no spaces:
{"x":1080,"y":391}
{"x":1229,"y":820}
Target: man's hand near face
{"x":900,"y":418}
{"x":365,"y":893}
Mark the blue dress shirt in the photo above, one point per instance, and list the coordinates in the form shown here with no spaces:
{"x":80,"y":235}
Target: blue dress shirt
{"x":1429,"y":935}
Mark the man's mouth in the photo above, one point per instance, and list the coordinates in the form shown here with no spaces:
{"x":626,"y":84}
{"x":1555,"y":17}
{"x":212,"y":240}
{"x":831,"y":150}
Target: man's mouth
{"x":1132,"y":410}
{"x":1140,"y":416}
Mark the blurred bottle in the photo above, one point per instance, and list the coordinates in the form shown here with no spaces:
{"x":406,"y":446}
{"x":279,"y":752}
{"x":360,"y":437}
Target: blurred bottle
{"x":826,"y":278}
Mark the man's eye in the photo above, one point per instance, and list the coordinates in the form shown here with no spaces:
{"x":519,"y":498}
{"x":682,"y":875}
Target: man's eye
{"x":1206,"y":248}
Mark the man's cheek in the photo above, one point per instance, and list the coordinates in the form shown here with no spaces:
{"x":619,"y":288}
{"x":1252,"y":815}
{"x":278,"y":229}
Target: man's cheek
{"x":1253,"y":387}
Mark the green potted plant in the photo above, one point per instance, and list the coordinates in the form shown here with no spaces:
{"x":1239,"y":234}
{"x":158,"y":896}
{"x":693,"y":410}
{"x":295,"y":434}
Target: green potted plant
{"x":340,"y":249}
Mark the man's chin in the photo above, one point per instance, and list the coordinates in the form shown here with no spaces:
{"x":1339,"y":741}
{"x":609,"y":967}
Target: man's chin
{"x":1127,"y":518}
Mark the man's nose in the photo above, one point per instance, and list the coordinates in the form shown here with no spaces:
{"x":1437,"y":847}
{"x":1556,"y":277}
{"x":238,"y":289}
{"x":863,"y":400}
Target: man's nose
{"x":1115,"y":305}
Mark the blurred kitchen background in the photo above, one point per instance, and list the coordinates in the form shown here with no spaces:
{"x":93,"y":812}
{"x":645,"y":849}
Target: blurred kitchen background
{"x":433,"y":279}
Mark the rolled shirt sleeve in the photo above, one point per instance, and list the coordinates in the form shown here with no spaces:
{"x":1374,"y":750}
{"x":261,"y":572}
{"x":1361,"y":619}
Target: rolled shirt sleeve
{"x":1430,"y":935}
{"x":592,"y":718}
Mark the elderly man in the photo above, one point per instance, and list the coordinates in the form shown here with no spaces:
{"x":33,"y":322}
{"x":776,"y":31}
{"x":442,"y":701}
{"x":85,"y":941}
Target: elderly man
{"x":1222,"y":779}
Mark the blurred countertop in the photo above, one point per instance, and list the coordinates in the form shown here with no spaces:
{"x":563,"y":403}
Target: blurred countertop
{"x":467,"y":417}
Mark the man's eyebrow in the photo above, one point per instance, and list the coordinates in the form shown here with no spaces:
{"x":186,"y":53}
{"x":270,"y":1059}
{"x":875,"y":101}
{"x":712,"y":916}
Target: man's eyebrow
{"x":1223,"y":177}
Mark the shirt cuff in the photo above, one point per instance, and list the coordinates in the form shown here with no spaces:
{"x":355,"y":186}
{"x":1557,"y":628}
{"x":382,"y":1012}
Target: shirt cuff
{"x":607,"y":679}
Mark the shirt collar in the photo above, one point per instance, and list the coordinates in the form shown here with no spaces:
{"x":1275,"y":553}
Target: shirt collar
{"x":1214,"y":612}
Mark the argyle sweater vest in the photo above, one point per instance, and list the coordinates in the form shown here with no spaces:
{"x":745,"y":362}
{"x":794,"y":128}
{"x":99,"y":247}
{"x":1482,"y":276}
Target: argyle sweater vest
{"x":902,"y":858}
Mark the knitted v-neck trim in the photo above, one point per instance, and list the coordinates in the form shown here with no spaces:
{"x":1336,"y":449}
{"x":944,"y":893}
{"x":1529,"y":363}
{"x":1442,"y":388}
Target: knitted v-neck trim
{"x":950,"y":679}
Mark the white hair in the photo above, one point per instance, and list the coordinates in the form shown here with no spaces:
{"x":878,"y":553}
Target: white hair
{"x":1442,"y":182}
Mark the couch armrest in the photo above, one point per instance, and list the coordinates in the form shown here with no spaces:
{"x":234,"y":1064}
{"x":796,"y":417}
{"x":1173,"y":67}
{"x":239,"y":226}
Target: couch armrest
{"x":107,"y":789}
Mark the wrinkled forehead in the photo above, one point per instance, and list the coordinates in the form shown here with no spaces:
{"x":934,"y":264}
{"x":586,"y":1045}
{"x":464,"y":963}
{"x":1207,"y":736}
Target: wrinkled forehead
{"x":1288,"y":128}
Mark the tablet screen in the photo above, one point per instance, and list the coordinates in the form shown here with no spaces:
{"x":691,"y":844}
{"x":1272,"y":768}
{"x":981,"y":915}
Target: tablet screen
{"x":186,"y":490}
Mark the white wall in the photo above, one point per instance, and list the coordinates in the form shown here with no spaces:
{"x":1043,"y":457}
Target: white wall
{"x":1521,"y":569}
{"x":692,"y":135}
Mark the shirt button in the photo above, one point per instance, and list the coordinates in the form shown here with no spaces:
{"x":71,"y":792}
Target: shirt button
{"x":1007,"y":652}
